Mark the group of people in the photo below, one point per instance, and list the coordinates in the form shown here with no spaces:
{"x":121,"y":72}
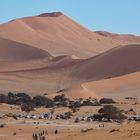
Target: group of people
{"x":42,"y":135}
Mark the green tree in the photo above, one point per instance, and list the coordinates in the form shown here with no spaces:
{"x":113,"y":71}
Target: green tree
{"x":113,"y":112}
{"x":27,"y":107}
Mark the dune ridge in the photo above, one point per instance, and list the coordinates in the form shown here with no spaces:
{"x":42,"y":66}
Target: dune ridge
{"x":58,"y":36}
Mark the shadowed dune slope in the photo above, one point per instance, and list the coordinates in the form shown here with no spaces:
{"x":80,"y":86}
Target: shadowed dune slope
{"x":118,"y":61}
{"x":68,"y":74}
{"x":11,"y":50}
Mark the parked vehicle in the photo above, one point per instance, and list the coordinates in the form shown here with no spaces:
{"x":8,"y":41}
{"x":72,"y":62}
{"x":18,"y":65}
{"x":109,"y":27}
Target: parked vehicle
{"x":27,"y":116}
{"x":33,"y":116}
{"x":134,"y":118}
{"x":47,"y":115}
{"x":41,"y":117}
{"x":21,"y":115}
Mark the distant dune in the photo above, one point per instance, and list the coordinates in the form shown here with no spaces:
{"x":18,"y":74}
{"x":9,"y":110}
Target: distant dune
{"x":122,"y":37}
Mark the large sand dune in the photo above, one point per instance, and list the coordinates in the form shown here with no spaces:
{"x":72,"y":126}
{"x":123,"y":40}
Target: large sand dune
{"x":27,"y":64}
{"x":116,"y":62}
{"x":118,"y":87}
{"x":66,"y":73}
{"x":59,"y":35}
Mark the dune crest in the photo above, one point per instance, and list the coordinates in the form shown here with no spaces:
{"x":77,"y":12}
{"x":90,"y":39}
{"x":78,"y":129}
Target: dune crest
{"x":58,"y":36}
{"x":53,"y":14}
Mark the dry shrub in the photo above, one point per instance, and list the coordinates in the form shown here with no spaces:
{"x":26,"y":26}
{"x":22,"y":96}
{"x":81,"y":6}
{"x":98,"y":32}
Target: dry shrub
{"x":2,"y":125}
{"x":86,"y":130}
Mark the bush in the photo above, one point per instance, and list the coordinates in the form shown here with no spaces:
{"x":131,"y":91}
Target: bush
{"x":42,"y":101}
{"x":90,"y":103}
{"x":2,"y":125}
{"x":22,"y":98}
{"x":18,"y":98}
{"x":68,"y":115}
{"x":11,"y":115}
{"x":60,"y":98}
{"x":27,"y":107}
{"x":86,"y":130}
{"x":113,"y":112}
{"x":3,"y":98}
{"x":11,"y":98}
{"x":97,"y":117}
{"x":107,"y":101}
{"x":74,"y":104}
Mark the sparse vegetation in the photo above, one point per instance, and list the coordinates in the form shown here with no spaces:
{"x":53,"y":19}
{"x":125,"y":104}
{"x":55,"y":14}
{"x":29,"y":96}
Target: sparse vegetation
{"x":86,"y":130}
{"x":3,"y":98}
{"x":77,"y":120}
{"x":107,"y":101}
{"x":27,"y":107}
{"x":2,"y":125}
{"x":29,"y":103}
{"x":42,"y":101}
{"x":112,"y":112}
{"x":114,"y":130}
{"x":74,"y":106}
{"x":90,"y":102}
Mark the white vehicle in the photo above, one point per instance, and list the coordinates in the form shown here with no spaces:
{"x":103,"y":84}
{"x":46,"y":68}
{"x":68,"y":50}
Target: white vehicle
{"x":41,"y":117}
{"x":33,"y":116}
{"x":27,"y":116}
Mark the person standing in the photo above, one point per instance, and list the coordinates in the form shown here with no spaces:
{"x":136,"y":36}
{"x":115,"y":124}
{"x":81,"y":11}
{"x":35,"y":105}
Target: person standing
{"x":56,"y":131}
{"x":36,"y":137}
{"x":33,"y":136}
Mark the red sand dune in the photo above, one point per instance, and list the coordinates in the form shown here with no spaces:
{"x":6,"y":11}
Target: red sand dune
{"x":122,"y":37}
{"x":11,"y":50}
{"x":118,"y":61}
{"x":57,"y":34}
{"x":123,"y":86}
{"x":59,"y":74}
{"x":27,"y":65}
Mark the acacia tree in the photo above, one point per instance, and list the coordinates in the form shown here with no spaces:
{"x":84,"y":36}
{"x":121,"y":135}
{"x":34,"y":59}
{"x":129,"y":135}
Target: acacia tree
{"x":74,"y":106}
{"x":27,"y":107}
{"x":112,"y":112}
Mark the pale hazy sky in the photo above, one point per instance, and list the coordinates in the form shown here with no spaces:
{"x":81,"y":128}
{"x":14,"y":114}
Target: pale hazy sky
{"x":120,"y":16}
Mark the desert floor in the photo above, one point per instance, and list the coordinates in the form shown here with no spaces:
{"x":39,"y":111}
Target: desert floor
{"x":22,"y":129}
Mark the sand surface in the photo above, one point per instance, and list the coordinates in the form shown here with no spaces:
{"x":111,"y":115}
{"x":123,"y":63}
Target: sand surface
{"x":22,"y":129}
